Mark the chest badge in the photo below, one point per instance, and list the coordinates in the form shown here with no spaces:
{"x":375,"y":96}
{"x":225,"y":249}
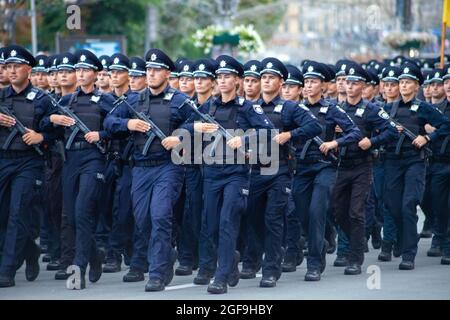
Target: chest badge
{"x":414,"y":107}
{"x":95,"y":99}
{"x":323,"y":110}
{"x":258,"y":109}
{"x":31,"y":95}
{"x":278,"y":108}
{"x":359,"y":112}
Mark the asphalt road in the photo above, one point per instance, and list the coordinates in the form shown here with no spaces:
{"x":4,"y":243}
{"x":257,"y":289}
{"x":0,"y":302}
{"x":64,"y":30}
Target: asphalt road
{"x":430,"y":280}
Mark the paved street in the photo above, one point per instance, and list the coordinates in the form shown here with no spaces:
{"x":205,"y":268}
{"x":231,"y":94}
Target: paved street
{"x":430,"y":280}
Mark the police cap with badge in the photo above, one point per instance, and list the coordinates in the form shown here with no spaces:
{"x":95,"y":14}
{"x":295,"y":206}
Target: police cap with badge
{"x":186,"y":69}
{"x":411,"y":71}
{"x":87,"y":60}
{"x":295,"y":76}
{"x":66,"y":61}
{"x":157,"y":59}
{"x":314,"y":69}
{"x":52,"y":63}
{"x":119,"y":62}
{"x":391,"y":74}
{"x":205,"y":68}
{"x":436,"y":76}
{"x":137,"y":67}
{"x":341,"y":67}
{"x":18,"y":54}
{"x":252,"y":68}
{"x":41,"y":63}
{"x":105,"y":61}
{"x":274,"y":66}
{"x":357,"y":73}
{"x":229,"y":65}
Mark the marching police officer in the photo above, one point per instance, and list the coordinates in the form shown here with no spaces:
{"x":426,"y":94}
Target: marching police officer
{"x":316,"y":172}
{"x":226,"y":179}
{"x":355,"y":168}
{"x":252,"y":80}
{"x":269,"y":191}
{"x":156,"y":180}
{"x":83,"y":170}
{"x":406,"y":159}
{"x":21,"y":165}
{"x":137,"y":73}
{"x":292,"y":87}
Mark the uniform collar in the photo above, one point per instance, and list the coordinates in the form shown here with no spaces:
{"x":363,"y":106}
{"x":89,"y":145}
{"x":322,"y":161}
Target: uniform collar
{"x":275,"y":101}
{"x":162,"y":93}
{"x":11,"y":92}
{"x":81,"y":92}
{"x":356,"y":105}
{"x":321,"y":103}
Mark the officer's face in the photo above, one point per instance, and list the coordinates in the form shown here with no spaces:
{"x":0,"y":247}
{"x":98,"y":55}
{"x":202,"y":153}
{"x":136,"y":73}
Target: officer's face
{"x":4,"y":81}
{"x":447,"y":88}
{"x":369,"y":92}
{"x":391,"y":90}
{"x":86,"y":77}
{"x":18,"y":73}
{"x":138,"y":83}
{"x":270,"y":83}
{"x":203,"y":85}
{"x":332,"y":89}
{"x":408,"y":87}
{"x":227,"y":82}
{"x":252,"y":87}
{"x":67,"y":78}
{"x":157,"y":77}
{"x":174,"y":83}
{"x":119,"y":78}
{"x":291,"y":92}
{"x":41,"y":80}
{"x":313,"y":87}
{"x":355,"y":88}
{"x":103,"y":79}
{"x":341,"y":85}
{"x":427,"y":91}
{"x":437,"y":90}
{"x":187,"y":85}
{"x":52,"y":79}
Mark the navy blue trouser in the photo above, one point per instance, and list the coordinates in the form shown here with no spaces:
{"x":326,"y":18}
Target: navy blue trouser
{"x":122,"y":227}
{"x":18,"y":188}
{"x":267,"y":203}
{"x":190,"y":226}
{"x":83,"y":180}
{"x":53,"y":199}
{"x":154,"y":192}
{"x":293,"y":230}
{"x":404,"y":187}
{"x":312,"y":187}
{"x":349,"y":200}
{"x":105,"y":205}
{"x":426,"y":204}
{"x":225,"y":191}
{"x":389,"y":228}
{"x":440,"y":196}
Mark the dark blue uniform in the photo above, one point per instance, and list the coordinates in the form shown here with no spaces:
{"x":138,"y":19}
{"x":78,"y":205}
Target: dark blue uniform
{"x":355,"y":175}
{"x":83,"y":176}
{"x":405,"y":169}
{"x":20,"y":169}
{"x":225,"y":191}
{"x":440,"y":184}
{"x":315,"y":177}
{"x":269,"y":192}
{"x":156,"y":180}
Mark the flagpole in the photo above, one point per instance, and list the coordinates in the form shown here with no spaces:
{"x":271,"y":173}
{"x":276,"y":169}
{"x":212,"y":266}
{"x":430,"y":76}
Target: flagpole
{"x":444,"y":29}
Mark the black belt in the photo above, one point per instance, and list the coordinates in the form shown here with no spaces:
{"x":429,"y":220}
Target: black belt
{"x":16,"y":154}
{"x":149,"y":163}
{"x":348,"y":163}
{"x":81,"y":145}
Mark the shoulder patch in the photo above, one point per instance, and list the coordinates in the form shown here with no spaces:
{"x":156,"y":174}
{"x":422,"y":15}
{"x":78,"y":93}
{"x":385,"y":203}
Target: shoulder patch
{"x":258,"y":109}
{"x":168,"y":96}
{"x":383,"y":114}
